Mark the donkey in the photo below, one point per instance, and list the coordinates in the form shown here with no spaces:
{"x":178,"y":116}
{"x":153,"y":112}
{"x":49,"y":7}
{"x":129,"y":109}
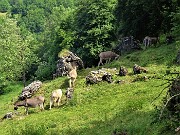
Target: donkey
{"x":55,"y":97}
{"x":108,"y":55}
{"x":31,"y":102}
{"x":148,"y":41}
{"x":72,"y":72}
{"x":69,"y":93}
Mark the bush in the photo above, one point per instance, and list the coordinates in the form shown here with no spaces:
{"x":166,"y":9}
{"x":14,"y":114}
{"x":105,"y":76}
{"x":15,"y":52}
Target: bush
{"x":4,"y":6}
{"x":45,"y":71}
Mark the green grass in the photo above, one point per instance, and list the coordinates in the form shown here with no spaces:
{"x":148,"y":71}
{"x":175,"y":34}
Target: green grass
{"x":101,"y":108}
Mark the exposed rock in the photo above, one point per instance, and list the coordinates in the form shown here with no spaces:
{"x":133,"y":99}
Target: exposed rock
{"x":127,"y":44}
{"x":138,"y":69}
{"x":30,"y":90}
{"x":123,"y":71}
{"x":100,"y":75}
{"x":69,"y":58}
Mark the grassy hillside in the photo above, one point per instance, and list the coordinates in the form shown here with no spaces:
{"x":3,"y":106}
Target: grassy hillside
{"x":101,"y":108}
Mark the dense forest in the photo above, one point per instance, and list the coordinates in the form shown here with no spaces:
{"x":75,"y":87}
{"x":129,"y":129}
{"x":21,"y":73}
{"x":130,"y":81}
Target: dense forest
{"x":34,"y":32}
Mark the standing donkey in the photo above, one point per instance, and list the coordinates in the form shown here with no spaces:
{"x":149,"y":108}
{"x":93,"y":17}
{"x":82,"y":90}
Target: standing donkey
{"x":108,"y":55}
{"x":148,"y":41}
{"x":71,"y":68}
{"x":30,"y":102}
{"x":55,"y":97}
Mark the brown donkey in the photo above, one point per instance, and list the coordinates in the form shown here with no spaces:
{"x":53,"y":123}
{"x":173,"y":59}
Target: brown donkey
{"x":30,"y":102}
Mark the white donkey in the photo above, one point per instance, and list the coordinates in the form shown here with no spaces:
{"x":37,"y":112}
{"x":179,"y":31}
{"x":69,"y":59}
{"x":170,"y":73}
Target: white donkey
{"x":55,"y":97}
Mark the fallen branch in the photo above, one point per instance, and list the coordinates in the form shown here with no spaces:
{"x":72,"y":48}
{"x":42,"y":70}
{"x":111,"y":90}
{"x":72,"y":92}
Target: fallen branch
{"x":160,"y":93}
{"x":167,"y":104}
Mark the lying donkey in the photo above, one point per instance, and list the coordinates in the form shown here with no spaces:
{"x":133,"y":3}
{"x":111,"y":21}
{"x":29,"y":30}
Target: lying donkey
{"x":31,"y":102}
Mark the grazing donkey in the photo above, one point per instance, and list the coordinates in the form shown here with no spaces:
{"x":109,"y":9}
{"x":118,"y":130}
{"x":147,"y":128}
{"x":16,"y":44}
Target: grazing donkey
{"x":55,"y":97}
{"x":108,"y":55}
{"x":148,"y":41}
{"x":31,"y":102}
{"x":69,"y":93}
{"x":72,"y":72}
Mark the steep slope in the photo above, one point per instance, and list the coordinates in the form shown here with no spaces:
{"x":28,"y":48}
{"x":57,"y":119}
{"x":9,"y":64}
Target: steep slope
{"x":101,"y":108}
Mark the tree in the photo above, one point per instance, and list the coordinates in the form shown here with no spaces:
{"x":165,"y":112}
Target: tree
{"x":18,"y":7}
{"x":35,"y":20}
{"x":94,"y":28}
{"x":58,"y":35}
{"x":140,"y":18}
{"x":176,"y":25}
{"x":4,"y":6}
{"x":15,"y":51}
{"x":27,"y":56}
{"x":10,"y":39}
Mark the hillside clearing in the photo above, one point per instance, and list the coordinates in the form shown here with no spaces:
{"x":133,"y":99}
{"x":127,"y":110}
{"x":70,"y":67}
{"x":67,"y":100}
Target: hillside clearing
{"x":101,"y":108}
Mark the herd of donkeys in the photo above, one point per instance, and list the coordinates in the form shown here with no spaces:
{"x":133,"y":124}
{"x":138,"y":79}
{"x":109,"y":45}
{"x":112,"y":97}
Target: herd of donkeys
{"x":27,"y":100}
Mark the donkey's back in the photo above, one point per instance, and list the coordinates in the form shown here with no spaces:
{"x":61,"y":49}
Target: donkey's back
{"x":31,"y":102}
{"x":35,"y":101}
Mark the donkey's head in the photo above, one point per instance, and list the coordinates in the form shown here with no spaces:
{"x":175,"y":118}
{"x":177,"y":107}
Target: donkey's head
{"x":19,"y":103}
{"x":69,"y":93}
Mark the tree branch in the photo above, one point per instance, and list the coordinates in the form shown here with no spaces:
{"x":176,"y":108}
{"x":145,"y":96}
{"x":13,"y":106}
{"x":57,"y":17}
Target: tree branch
{"x":166,"y":104}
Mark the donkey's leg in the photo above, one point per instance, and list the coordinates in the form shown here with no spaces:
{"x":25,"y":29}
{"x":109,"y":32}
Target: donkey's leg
{"x":73,"y":82}
{"x":150,"y":42}
{"x":41,"y":106}
{"x":51,"y":102}
{"x":108,"y":61}
{"x":100,"y":62}
{"x":70,"y":82}
{"x":26,"y":110}
{"x":58,"y":101}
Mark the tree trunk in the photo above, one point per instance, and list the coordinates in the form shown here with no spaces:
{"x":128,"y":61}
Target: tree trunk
{"x":24,"y":78}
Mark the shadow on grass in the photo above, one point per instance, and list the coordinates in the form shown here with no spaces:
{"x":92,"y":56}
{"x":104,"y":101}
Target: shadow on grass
{"x":65,"y":84}
{"x":124,"y":123}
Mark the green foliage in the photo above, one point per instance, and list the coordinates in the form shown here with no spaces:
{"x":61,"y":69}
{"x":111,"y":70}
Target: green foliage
{"x":64,"y":18}
{"x":17,"y":7}
{"x":94,"y":28}
{"x":4,"y":5}
{"x":46,"y":27}
{"x":58,"y":35}
{"x":176,"y":25}
{"x":10,"y":40}
{"x":140,"y":18}
{"x":16,"y":52}
{"x":44,"y":71}
{"x":34,"y":20}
